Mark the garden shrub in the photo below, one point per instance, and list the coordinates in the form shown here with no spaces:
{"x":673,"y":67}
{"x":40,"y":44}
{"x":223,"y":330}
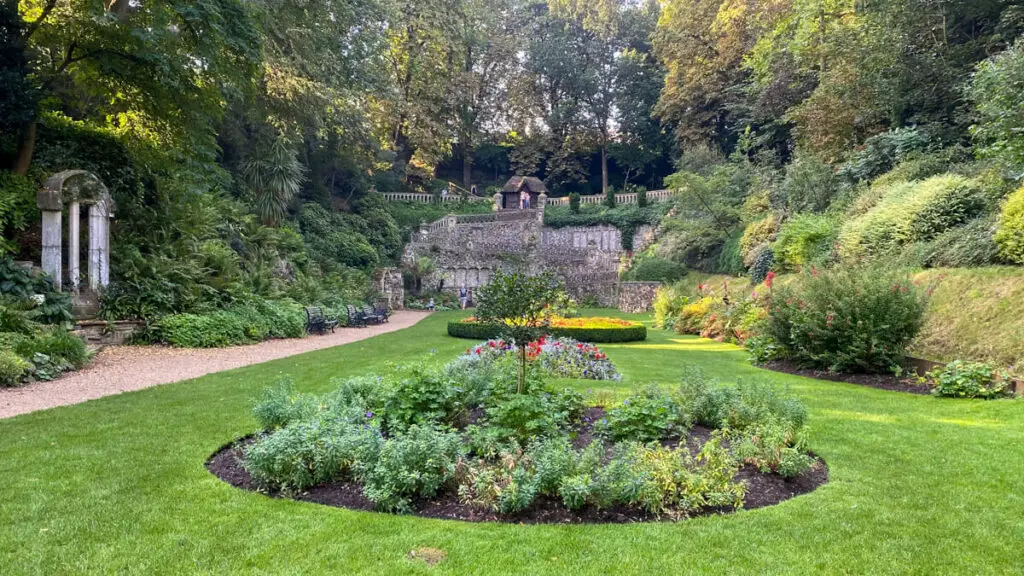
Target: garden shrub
{"x":668,"y":301}
{"x":912,"y":212}
{"x":730,"y":261}
{"x":12,"y":368}
{"x":1010,"y":236}
{"x":15,"y":319}
{"x":757,"y":234}
{"x":961,"y":379}
{"x":805,"y":239}
{"x":310,"y":452}
{"x":418,"y":462}
{"x":654,"y":269}
{"x":772,"y":446}
{"x":645,"y":416}
{"x":970,"y":245}
{"x":995,"y":90}
{"x":59,"y":345}
{"x":216,"y":330}
{"x":809,"y":185}
{"x":422,"y":396}
{"x":574,"y":202}
{"x":847,"y":319}
{"x":693,"y":315}
{"x":280,"y":405}
{"x":763,"y":263}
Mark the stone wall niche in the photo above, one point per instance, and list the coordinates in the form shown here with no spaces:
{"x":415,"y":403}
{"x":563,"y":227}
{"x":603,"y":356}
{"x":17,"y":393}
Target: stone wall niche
{"x":74,"y":188}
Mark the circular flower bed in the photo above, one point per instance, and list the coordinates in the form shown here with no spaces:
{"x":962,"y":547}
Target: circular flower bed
{"x":457,"y":442}
{"x":598,"y":330}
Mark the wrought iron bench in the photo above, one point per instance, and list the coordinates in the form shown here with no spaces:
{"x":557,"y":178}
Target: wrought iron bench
{"x":355,"y":318}
{"x":372,"y":316}
{"x":317,"y":322}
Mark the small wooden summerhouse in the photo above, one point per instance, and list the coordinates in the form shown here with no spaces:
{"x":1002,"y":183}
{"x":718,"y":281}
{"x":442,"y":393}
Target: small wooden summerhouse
{"x":514,"y":188}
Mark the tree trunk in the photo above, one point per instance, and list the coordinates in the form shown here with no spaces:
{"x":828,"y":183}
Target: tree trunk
{"x":26,"y":147}
{"x":604,"y":168}
{"x":467,"y":167}
{"x":521,"y":388}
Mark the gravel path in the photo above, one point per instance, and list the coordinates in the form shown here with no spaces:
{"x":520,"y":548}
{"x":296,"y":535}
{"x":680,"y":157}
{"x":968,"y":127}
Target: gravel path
{"x":119,"y":369}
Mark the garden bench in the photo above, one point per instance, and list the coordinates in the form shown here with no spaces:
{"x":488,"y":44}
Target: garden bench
{"x":355,"y":318}
{"x":317,"y":322}
{"x":373,"y":316}
{"x":383,"y":312}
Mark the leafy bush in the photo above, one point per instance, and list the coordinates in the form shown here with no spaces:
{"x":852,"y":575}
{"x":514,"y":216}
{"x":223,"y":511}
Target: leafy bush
{"x":995,"y":90}
{"x":693,"y":315}
{"x":809,"y":185}
{"x":772,"y":446}
{"x":646,"y":416}
{"x":805,"y":239}
{"x":422,"y":396}
{"x":654,"y":269}
{"x":12,"y":368}
{"x":215,"y":330}
{"x":59,"y":345}
{"x":668,"y":301}
{"x":757,"y":234}
{"x":417,"y":463}
{"x":961,"y":379}
{"x":847,"y":319}
{"x":763,"y":263}
{"x":1010,"y":236}
{"x":574,"y":202}
{"x":912,"y":212}
{"x":280,"y":405}
{"x":310,"y":452}
{"x":970,"y":245}
{"x":883,"y":151}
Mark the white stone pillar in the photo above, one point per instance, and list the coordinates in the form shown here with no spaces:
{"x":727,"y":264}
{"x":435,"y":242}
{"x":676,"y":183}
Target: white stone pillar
{"x":74,"y":234}
{"x":96,"y":240}
{"x":105,"y":262}
{"x":52,"y":257}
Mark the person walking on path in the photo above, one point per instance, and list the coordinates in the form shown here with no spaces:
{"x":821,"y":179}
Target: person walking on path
{"x":463,"y":296}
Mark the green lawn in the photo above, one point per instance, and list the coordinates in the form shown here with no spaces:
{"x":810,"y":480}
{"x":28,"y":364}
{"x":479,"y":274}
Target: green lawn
{"x":117,"y":485}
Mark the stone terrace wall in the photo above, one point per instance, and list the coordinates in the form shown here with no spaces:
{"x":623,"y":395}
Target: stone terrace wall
{"x":585,"y":258}
{"x":637,"y":297}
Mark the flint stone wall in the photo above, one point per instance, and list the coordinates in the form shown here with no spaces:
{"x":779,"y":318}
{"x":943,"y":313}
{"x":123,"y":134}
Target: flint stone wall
{"x":585,"y":258}
{"x":637,"y":297}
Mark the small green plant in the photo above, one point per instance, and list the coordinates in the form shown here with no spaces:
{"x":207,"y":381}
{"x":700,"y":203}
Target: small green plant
{"x":12,"y":368}
{"x":609,"y":198}
{"x":419,"y":462}
{"x":574,"y":202}
{"x":422,"y":396}
{"x":1010,"y":236}
{"x":645,"y":416}
{"x":961,"y":379}
{"x":280,"y":405}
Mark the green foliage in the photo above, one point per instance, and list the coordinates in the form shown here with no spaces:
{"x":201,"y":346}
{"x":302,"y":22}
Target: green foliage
{"x":849,"y":319}
{"x":310,"y":452}
{"x":810,"y":185}
{"x":806,"y":239}
{"x":333,"y":240}
{"x":273,"y":180}
{"x":62,"y":348}
{"x":996,"y":89}
{"x":627,"y":218}
{"x":18,"y":282}
{"x":418,"y":463}
{"x":911,"y":212}
{"x":279,"y":405}
{"x":668,"y":301}
{"x":609,"y":199}
{"x":17,"y":209}
{"x":1010,"y":236}
{"x":755,"y":236}
{"x":961,"y":379}
{"x":970,"y":245}
{"x":12,"y":368}
{"x":763,"y":264}
{"x":654,"y":269}
{"x":648,"y":415}
{"x":251,"y":321}
{"x":772,"y":446}
{"x":574,"y":202}
{"x":882,"y":152}
{"x":423,"y":396}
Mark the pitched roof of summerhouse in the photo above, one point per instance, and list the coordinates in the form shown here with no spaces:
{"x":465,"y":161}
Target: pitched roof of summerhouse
{"x":531,"y":183}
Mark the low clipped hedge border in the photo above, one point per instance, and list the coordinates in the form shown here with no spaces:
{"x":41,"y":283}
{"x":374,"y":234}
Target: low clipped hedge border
{"x":478,"y":331}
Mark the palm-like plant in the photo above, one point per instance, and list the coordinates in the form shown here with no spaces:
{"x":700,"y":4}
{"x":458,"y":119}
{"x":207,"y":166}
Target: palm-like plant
{"x":273,"y":179}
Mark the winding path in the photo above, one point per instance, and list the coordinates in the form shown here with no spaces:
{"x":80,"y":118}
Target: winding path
{"x":118,"y":369}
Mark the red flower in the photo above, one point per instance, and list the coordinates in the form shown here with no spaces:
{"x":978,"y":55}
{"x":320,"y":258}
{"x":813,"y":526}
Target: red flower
{"x":769,"y":280}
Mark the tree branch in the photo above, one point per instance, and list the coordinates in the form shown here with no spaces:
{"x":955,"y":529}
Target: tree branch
{"x":50,"y":4}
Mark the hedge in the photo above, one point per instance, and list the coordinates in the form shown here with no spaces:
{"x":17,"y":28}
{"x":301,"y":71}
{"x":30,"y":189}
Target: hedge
{"x":477,"y":331}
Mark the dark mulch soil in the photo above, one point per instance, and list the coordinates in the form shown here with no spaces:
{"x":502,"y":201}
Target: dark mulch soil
{"x":880,"y":381}
{"x":762,"y":489}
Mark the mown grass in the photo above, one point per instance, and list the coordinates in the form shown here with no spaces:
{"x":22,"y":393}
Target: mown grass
{"x":118,"y":485}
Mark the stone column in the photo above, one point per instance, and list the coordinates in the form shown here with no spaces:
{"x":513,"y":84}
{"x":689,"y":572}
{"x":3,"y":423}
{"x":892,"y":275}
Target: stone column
{"x":97,"y":239}
{"x":74,"y":235}
{"x":542,"y":201}
{"x":52,"y":236}
{"x":105,"y":267}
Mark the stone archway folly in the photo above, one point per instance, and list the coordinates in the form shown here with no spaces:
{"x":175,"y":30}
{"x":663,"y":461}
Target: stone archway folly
{"x":76,"y":188}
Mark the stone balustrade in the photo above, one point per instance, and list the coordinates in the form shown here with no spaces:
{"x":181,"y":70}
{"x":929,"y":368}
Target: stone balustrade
{"x":631,"y":198}
{"x":428,"y":198}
